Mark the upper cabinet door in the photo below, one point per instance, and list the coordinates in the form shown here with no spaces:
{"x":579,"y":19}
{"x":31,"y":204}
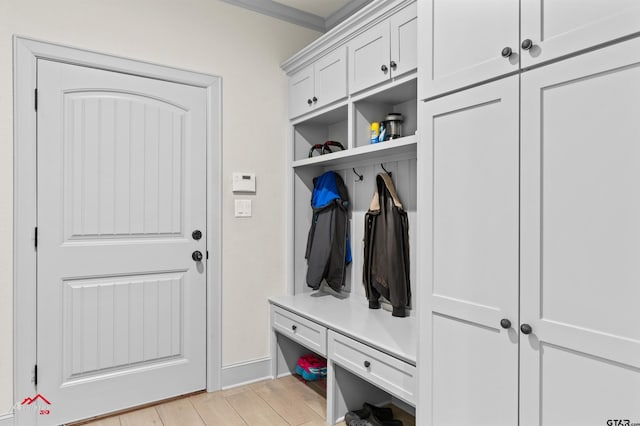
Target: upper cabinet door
{"x":330,"y":74}
{"x":560,"y":27}
{"x":369,"y":58}
{"x":301,"y":92}
{"x":464,"y":42}
{"x":404,"y":40}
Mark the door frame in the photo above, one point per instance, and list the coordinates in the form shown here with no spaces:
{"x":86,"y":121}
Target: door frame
{"x":26,"y":53}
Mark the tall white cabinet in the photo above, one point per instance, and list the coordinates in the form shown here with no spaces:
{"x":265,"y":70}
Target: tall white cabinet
{"x":529,"y":193}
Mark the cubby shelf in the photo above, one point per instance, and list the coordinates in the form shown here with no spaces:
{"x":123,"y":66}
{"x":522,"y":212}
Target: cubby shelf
{"x":371,"y":153}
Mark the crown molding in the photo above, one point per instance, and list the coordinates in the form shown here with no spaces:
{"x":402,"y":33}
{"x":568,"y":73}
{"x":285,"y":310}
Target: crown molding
{"x":344,"y":12}
{"x":365,"y":18}
{"x":299,"y":17}
{"x":282,"y":12}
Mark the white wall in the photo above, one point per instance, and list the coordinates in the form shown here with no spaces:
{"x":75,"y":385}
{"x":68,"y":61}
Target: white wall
{"x":208,"y":36}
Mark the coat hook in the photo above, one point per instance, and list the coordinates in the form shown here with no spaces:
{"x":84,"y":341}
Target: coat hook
{"x":386,"y":171}
{"x":360,"y":177}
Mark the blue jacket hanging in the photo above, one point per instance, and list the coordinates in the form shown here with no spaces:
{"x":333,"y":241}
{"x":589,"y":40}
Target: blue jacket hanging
{"x":328,"y":250}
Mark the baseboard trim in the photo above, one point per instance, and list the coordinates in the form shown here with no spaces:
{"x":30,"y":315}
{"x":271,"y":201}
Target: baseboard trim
{"x":244,"y":373}
{"x":6,"y":420}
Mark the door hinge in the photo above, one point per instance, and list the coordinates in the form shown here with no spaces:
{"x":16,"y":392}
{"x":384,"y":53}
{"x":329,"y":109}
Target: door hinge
{"x":35,"y":236}
{"x":35,"y":374}
{"x":35,"y":95}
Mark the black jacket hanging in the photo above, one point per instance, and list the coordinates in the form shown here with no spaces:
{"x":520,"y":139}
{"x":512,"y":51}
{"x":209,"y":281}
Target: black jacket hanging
{"x":386,"y":249}
{"x":328,"y":252}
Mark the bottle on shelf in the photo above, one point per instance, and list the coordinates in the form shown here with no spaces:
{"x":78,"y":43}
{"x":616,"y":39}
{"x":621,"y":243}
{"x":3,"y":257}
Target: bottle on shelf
{"x":375,"y":132}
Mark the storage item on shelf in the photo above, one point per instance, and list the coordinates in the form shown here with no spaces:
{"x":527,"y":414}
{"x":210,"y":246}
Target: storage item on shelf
{"x":393,"y":124}
{"x":328,"y":251}
{"x":311,"y":367}
{"x":386,"y":249}
{"x":383,"y":132}
{"x":325,"y":148}
{"x":375,"y":131}
{"x":370,"y":415}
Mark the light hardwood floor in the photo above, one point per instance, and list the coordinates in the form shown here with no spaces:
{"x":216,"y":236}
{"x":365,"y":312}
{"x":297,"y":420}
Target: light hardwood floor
{"x":283,"y":402}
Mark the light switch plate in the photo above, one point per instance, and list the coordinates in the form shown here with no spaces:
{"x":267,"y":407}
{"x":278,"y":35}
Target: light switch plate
{"x":244,"y":182}
{"x":243,"y":208}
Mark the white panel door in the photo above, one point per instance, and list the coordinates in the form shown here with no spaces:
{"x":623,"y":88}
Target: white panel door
{"x":561,"y":27}
{"x":369,"y":58}
{"x":404,"y":40}
{"x":330,"y":77}
{"x":301,"y":92}
{"x":472,"y":156}
{"x":464,"y":43}
{"x":121,"y":187}
{"x":580,"y":249}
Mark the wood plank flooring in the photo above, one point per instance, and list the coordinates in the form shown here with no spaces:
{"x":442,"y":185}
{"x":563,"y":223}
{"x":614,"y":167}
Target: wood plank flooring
{"x":283,"y":402}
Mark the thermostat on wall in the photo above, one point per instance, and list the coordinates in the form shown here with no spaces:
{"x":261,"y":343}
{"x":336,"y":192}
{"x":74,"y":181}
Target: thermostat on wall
{"x":244,"y":182}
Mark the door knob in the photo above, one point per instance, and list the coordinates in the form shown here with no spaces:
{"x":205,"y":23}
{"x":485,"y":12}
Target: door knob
{"x":505,"y":323}
{"x":197,"y":256}
{"x":315,"y":99}
{"x":384,"y":68}
{"x":506,"y":52}
{"x":197,"y":234}
{"x":393,"y":65}
{"x":294,"y":327}
{"x":367,"y":364}
{"x":527,"y":44}
{"x":526,"y":329}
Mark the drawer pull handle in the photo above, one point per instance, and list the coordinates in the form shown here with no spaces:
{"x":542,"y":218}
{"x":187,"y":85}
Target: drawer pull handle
{"x":294,"y":327}
{"x":367,"y":364}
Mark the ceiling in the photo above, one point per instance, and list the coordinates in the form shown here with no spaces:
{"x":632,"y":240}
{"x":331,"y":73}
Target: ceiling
{"x":319,"y":15}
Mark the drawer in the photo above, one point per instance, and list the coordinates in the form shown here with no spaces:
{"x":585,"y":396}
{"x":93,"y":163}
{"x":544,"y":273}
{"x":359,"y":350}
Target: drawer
{"x":386,"y":372}
{"x":309,"y":334}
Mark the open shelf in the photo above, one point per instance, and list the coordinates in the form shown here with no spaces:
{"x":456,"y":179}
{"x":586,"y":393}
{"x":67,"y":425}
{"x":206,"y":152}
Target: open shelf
{"x":371,"y":153}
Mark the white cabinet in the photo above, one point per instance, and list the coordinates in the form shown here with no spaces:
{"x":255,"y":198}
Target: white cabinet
{"x":472,"y":166}
{"x":534,"y":217}
{"x":461,"y":43}
{"x":387,"y":50}
{"x":580,"y":239}
{"x":319,"y":84}
{"x":466,"y":42}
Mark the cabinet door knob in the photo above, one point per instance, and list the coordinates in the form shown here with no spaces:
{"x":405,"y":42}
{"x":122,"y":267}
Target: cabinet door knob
{"x":309,"y":101}
{"x":315,"y":99}
{"x":393,"y":65}
{"x":367,"y":364}
{"x":505,"y":323}
{"x":384,"y":68}
{"x":527,"y":44}
{"x":506,"y":52}
{"x":294,"y":327}
{"x":526,"y":329}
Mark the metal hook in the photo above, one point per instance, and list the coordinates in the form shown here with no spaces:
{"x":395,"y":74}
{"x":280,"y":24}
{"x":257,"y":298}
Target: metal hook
{"x":386,"y":171}
{"x":360,"y":177}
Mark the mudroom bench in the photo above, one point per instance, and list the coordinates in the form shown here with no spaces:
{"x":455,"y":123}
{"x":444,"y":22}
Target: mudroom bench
{"x":371,"y":356}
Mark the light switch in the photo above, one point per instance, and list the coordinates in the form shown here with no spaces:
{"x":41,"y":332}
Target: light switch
{"x":243,"y":208}
{"x":244,"y":182}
